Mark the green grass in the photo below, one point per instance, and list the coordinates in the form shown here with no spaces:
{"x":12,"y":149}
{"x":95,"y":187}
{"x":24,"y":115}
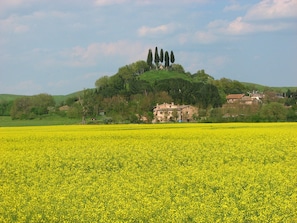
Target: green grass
{"x":157,"y":75}
{"x":6,"y":121}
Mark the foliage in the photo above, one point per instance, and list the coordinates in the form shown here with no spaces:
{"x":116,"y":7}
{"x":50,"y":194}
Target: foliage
{"x":5,"y":107}
{"x":230,"y":86}
{"x":149,"y":173}
{"x":201,"y":76}
{"x":273,"y":112}
{"x":186,"y":92}
{"x":178,"y":68}
{"x":102,"y":82}
{"x":28,"y":107}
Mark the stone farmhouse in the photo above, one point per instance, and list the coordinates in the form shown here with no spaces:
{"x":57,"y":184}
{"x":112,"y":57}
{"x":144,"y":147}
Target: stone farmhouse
{"x":243,"y":99}
{"x":170,"y":112}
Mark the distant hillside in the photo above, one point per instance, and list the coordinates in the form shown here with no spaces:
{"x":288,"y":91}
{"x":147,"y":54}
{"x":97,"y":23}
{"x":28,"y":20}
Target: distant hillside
{"x":265,"y":88}
{"x":58,"y":98}
{"x":61,"y":98}
{"x":9,"y":97}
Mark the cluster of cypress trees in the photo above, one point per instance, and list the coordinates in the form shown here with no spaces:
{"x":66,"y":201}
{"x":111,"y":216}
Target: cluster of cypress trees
{"x":160,"y":58}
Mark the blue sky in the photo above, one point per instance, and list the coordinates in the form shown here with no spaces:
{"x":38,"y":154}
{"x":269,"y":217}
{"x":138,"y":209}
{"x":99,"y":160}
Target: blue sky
{"x":59,"y":47}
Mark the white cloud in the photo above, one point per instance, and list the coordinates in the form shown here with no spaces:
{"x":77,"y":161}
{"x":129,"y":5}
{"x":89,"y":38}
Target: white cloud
{"x":4,"y":4}
{"x":12,"y":4}
{"x":109,"y":2}
{"x":234,"y":6}
{"x":20,"y":24}
{"x":205,"y":37}
{"x":145,"y":2}
{"x":21,"y":29}
{"x":265,"y":10}
{"x":90,"y":55}
{"x":157,"y":30}
{"x":238,"y":26}
{"x":273,"y":9}
{"x":47,"y":14}
{"x":13,"y":24}
{"x":248,"y":23}
{"x":27,"y":87}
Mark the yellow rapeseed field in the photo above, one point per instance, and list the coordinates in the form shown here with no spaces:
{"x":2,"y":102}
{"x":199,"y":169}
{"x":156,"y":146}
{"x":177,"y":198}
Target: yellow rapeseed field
{"x":149,"y":173}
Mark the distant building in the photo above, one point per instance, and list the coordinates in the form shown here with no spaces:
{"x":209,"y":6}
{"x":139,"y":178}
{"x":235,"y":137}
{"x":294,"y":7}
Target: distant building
{"x":170,"y":112}
{"x":243,"y":99}
{"x":232,"y":98}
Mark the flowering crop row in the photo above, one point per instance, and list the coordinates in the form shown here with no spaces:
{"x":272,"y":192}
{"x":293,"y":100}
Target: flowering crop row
{"x":149,"y":173}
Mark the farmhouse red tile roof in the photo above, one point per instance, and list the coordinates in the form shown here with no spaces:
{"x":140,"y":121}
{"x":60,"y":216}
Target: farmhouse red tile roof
{"x":235,"y":96}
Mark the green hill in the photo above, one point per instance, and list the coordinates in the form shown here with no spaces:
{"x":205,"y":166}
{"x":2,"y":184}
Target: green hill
{"x":153,"y":76}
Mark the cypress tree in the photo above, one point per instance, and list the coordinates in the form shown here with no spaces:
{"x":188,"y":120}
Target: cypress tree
{"x":157,"y":59}
{"x":161,"y":56}
{"x":166,"y":59}
{"x":172,"y":59}
{"x":150,"y":58}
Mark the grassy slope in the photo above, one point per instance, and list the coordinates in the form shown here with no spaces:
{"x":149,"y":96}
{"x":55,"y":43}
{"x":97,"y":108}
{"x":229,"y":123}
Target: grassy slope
{"x":156,"y":75}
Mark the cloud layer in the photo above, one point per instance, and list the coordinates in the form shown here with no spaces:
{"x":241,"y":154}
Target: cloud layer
{"x":59,"y":46}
